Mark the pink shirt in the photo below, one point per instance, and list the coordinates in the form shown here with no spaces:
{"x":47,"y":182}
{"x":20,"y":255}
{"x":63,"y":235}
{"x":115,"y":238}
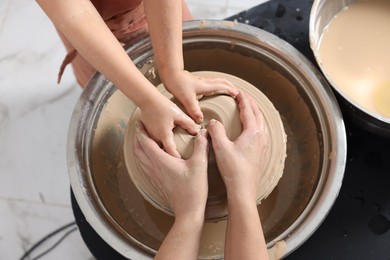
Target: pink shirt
{"x":127,"y":21}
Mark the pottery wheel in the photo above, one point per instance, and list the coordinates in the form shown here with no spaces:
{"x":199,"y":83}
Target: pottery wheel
{"x":224,"y":109}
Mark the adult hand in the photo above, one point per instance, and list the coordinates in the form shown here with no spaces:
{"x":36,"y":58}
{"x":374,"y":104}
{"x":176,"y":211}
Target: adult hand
{"x":182,"y":182}
{"x":160,"y":117}
{"x":241,"y":162}
{"x":186,"y":87}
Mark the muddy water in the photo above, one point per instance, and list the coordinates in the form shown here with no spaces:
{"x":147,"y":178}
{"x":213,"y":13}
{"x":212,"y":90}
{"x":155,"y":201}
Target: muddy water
{"x":355,"y":53}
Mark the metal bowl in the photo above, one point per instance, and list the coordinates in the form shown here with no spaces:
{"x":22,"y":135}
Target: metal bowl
{"x":316,"y":148}
{"x":322,"y":12}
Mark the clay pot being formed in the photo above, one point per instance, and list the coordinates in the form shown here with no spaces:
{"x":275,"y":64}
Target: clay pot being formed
{"x":224,"y":109}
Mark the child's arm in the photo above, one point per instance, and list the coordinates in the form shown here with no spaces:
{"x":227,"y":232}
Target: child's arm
{"x":165,"y":26}
{"x":83,"y":26}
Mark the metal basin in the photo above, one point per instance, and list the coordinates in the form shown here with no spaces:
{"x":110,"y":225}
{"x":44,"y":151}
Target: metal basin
{"x":316,"y":148}
{"x":322,"y":12}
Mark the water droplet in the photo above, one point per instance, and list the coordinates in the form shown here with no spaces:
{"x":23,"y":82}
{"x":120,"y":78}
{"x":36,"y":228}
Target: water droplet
{"x":379,"y":224}
{"x":280,"y":10}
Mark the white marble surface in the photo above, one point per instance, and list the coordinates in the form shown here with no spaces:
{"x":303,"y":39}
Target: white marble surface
{"x":34,"y":117}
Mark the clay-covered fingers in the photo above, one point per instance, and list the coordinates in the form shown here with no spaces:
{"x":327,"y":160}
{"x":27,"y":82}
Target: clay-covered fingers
{"x":193,"y":109}
{"x":213,"y":86}
{"x":168,"y":143}
{"x":218,"y":136}
{"x":145,"y":148}
{"x":201,"y":147}
{"x":161,"y":118}
{"x":187,"y":87}
{"x":247,"y":115}
{"x":259,"y":116}
{"x":139,"y":153}
{"x":191,"y":105}
{"x":206,"y":87}
{"x":186,"y":122}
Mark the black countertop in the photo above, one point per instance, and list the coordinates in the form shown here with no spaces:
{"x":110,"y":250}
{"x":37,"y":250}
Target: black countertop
{"x":358,"y":224}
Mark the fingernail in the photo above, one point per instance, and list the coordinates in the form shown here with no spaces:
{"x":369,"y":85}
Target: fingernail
{"x":200,"y":119}
{"x":212,"y":121}
{"x":198,"y":97}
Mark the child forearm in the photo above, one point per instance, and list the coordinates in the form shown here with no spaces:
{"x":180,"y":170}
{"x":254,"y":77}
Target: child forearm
{"x":83,"y":26}
{"x":165,"y":27}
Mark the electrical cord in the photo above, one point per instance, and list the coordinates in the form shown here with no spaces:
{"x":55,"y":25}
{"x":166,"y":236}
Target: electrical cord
{"x":55,"y":244}
{"x":40,"y":242}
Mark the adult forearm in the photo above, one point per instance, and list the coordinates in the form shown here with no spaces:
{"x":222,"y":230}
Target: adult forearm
{"x":83,"y":26}
{"x":244,"y":234}
{"x":165,"y":27}
{"x":182,"y":241}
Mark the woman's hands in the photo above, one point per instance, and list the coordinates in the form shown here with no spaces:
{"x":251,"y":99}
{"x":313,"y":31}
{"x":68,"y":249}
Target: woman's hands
{"x":241,"y":165}
{"x":241,"y":162}
{"x":187,"y":88}
{"x":182,"y":182}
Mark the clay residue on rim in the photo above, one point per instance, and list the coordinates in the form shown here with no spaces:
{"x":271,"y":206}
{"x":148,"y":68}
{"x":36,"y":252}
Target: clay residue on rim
{"x":223,"y":108}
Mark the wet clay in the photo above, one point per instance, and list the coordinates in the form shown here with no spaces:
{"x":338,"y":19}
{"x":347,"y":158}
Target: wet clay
{"x":355,"y":53}
{"x":224,"y":109}
{"x":277,"y":251}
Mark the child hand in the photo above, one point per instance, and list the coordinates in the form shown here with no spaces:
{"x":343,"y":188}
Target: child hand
{"x":186,"y":87}
{"x":182,"y":182}
{"x":160,"y":117}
